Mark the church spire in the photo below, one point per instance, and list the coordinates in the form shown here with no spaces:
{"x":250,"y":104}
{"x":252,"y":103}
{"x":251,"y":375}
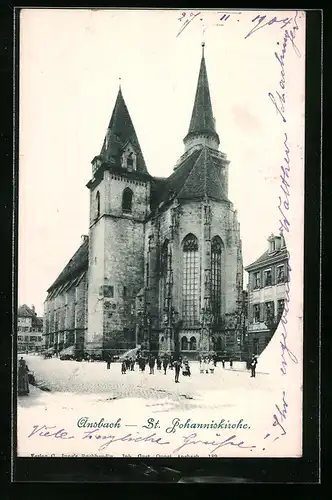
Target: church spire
{"x":121,"y":135}
{"x":202,"y":124}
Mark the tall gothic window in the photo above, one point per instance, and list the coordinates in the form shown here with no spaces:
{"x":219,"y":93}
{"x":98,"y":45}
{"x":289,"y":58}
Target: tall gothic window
{"x":127,"y":199}
{"x":163,"y":274}
{"x":190,"y":282}
{"x":216,"y":248}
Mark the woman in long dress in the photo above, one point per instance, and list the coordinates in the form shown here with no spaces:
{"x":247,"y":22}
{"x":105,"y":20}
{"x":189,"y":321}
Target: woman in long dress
{"x":23,"y":378}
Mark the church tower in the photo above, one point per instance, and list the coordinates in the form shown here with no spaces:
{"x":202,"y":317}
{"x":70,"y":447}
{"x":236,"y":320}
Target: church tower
{"x":200,"y":260}
{"x":119,"y":203}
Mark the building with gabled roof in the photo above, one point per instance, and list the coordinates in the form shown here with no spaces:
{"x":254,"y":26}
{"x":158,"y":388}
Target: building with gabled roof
{"x":267,"y":292}
{"x":162,"y":265}
{"x":29,"y":329}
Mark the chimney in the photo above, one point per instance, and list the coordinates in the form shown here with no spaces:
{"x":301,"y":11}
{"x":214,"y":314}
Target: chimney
{"x":33,"y":309}
{"x":84,"y":238}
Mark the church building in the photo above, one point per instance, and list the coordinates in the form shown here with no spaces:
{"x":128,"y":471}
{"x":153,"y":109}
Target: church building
{"x":162,"y":264}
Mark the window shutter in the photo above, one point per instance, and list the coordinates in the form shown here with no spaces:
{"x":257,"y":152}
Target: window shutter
{"x":272,"y":309}
{"x":261,"y":312}
{"x":273,"y":275}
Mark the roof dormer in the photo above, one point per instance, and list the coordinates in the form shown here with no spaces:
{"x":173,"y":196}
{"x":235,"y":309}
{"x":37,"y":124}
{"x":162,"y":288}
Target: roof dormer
{"x":129,"y":157}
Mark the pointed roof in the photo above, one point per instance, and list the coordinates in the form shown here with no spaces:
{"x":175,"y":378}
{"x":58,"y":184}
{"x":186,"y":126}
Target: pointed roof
{"x":202,"y":120}
{"x":199,"y":176}
{"x":120,"y":132}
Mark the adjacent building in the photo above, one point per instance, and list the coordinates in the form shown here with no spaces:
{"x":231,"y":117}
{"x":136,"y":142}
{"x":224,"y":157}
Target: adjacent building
{"x":29,"y":329}
{"x":162,"y":265}
{"x":267,"y":291}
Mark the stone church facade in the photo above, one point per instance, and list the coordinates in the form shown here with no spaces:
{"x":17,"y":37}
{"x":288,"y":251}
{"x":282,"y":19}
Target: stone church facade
{"x":162,"y":266}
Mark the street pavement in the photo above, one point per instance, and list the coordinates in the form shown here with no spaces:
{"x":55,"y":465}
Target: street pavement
{"x":92,"y":378}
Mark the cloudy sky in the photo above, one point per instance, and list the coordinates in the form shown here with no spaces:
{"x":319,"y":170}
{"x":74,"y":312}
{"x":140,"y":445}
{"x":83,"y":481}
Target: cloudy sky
{"x":70,"y":65}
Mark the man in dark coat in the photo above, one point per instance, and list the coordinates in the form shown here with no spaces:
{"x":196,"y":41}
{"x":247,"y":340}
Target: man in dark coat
{"x":223,"y":363}
{"x":165,"y":364}
{"x":177,"y":367}
{"x":253,"y":366}
{"x":151,"y":364}
{"x":231,"y":363}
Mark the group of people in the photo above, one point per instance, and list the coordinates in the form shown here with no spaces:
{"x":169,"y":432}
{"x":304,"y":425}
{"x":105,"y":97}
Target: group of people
{"x":164,"y":362}
{"x":207,"y":364}
{"x":170,"y":362}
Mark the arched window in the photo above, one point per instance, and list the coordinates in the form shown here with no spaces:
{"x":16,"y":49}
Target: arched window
{"x":193,"y":344}
{"x":98,"y":203}
{"x":184,"y":344}
{"x":218,"y":344}
{"x":190,"y":281}
{"x":127,"y":199}
{"x":216,"y":249}
{"x":164,"y":256}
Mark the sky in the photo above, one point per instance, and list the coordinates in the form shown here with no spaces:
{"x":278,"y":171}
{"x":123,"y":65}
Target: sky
{"x":70,"y":65}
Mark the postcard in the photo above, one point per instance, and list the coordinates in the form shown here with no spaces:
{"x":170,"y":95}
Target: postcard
{"x":161,"y":215}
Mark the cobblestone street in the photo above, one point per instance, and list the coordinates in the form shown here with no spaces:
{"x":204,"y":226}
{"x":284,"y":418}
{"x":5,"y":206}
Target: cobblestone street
{"x":94,"y":378}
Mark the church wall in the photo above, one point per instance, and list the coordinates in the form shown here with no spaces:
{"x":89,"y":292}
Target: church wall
{"x":80,"y":312}
{"x":124,"y":271}
{"x":224,"y":224}
{"x":94,"y":334}
{"x":115,"y":185}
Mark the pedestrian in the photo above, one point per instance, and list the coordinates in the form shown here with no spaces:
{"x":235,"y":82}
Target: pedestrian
{"x":123,"y":367}
{"x":248,"y":364}
{"x":186,"y":369}
{"x":165,"y":364}
{"x":108,"y":362}
{"x":253,"y":366}
{"x":23,"y":378}
{"x":143,"y":363}
{"x":201,"y":365}
{"x":206,"y":364}
{"x":177,"y":367}
{"x":158,"y":363}
{"x":223,"y":363}
{"x":215,"y":360}
{"x":231,"y":363}
{"x":132,"y":365}
{"x":151,"y":364}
